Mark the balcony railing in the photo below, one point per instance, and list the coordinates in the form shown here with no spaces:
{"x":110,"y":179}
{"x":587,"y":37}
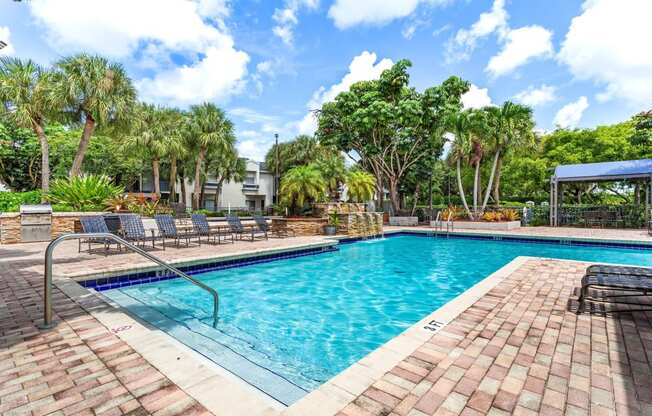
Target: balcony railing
{"x":250,"y":187}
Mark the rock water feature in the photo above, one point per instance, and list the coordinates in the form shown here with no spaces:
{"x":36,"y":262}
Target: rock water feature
{"x":353,"y":220}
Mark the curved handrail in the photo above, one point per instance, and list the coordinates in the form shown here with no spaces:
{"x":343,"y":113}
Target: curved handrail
{"x":47,"y":298}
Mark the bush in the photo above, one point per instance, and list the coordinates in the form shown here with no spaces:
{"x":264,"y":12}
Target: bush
{"x":83,"y":193}
{"x":11,"y":201}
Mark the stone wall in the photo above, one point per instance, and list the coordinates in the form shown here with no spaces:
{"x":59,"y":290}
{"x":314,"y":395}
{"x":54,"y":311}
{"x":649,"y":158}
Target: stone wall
{"x":300,"y":226}
{"x":62,"y":223}
{"x":360,"y":224}
{"x":323,"y":209}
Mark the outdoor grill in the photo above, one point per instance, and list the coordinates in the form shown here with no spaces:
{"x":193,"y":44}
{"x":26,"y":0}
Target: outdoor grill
{"x":35,"y":223}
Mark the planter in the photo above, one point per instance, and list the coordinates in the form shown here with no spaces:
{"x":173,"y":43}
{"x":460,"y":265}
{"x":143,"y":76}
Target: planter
{"x":330,"y":229}
{"x":484,"y":225}
{"x":404,"y":221}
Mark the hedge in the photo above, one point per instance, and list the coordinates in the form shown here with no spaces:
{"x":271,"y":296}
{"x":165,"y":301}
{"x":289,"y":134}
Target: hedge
{"x":11,"y":201}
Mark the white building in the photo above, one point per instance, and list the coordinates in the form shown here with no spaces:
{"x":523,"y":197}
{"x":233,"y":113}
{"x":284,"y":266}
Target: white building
{"x":256,"y":193}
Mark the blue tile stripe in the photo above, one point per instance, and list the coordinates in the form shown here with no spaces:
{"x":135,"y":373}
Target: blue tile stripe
{"x":138,"y":278}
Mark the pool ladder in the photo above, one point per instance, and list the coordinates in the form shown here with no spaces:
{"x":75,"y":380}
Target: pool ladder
{"x":439,"y":224}
{"x":47,"y":296}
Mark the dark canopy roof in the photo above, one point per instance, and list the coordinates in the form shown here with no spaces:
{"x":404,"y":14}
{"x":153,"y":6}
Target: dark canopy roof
{"x":604,"y":171}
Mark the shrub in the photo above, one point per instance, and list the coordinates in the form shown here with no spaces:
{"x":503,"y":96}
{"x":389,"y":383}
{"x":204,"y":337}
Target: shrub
{"x":454,"y":212}
{"x":492,"y":216}
{"x":83,"y":193}
{"x":11,"y":201}
{"x":510,"y":215}
{"x":149,"y":208}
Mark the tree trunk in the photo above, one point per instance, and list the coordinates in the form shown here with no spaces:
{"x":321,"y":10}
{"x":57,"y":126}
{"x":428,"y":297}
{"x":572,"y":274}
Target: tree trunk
{"x":417,"y":190}
{"x":173,"y":179}
{"x":202,"y":195}
{"x":461,"y":190}
{"x":379,"y":192}
{"x":157,"y":178}
{"x":491,"y":180}
{"x":476,"y":188}
{"x":184,"y":191}
{"x":499,"y":166}
{"x":393,"y":195}
{"x":637,"y":194}
{"x":89,"y":126}
{"x":197,"y":189}
{"x":45,"y":160}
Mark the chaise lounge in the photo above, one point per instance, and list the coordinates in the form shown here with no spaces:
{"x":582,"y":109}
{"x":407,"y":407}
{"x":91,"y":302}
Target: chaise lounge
{"x":625,"y":281}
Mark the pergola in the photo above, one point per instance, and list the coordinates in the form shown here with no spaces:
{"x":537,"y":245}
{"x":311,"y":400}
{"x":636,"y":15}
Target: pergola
{"x":597,"y":172}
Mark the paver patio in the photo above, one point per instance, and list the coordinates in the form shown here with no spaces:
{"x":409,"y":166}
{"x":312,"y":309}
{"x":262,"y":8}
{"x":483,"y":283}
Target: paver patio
{"x":517,"y":350}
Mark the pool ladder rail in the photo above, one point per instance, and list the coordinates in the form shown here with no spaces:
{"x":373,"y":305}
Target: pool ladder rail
{"x":439,"y":223}
{"x":47,"y":296}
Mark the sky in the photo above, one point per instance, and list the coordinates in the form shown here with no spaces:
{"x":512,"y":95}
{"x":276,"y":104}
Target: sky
{"x":268,"y":63}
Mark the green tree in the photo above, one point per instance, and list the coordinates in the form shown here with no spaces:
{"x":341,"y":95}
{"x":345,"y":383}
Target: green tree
{"x":226,"y":167}
{"x":25,"y":95}
{"x":19,"y":157}
{"x":642,"y":135}
{"x":302,"y":150}
{"x":208,"y":129}
{"x":360,"y":185}
{"x":301,"y":184}
{"x":461,"y":125}
{"x":333,"y":171}
{"x":93,"y":92}
{"x":389,"y":125}
{"x":510,"y":127}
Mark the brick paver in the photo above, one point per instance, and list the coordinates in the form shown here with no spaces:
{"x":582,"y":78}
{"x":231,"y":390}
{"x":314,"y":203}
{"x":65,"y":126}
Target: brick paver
{"x":522,"y":350}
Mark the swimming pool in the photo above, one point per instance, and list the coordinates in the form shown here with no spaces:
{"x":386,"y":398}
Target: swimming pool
{"x":286,"y":327}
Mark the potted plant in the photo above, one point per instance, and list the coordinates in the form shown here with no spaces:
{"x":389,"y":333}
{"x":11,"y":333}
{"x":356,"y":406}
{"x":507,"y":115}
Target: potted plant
{"x":333,"y":222}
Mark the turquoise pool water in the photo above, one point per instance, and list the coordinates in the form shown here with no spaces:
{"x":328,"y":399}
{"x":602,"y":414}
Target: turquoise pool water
{"x":289,"y":325}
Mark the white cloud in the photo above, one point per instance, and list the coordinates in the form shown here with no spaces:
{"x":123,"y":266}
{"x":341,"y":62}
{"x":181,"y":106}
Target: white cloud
{"x":148,"y":33}
{"x":521,"y":46}
{"x":535,"y":97}
{"x":363,"y":67}
{"x":462,"y":45}
{"x":286,"y":18}
{"x":5,"y":35}
{"x":216,"y":77}
{"x":476,"y":97}
{"x":118,"y":27}
{"x":349,"y":13}
{"x":609,"y":43}
{"x":252,"y":149}
{"x":570,"y":115}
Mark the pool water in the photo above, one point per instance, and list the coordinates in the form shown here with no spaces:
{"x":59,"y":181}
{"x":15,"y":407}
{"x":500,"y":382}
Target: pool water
{"x":303,"y":320}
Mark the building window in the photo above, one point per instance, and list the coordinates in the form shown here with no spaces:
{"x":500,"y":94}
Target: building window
{"x":250,"y":179}
{"x":251,"y":204}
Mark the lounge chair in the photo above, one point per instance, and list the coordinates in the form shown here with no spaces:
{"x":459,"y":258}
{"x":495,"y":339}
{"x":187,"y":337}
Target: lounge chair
{"x":240,"y":230}
{"x":168,"y":230}
{"x":203,"y":229}
{"x":631,"y":285}
{"x":95,"y":224}
{"x":264,"y":226}
{"x":132,"y":230}
{"x":595,"y":269}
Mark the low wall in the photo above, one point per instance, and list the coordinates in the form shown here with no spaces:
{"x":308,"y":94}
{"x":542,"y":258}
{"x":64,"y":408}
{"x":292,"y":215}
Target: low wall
{"x":62,"y":223}
{"x":483,"y":225}
{"x":301,"y":226}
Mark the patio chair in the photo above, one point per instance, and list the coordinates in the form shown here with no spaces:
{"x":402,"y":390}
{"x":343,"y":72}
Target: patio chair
{"x":624,"y":285}
{"x":264,"y":226}
{"x":168,"y":230}
{"x":203,"y":229}
{"x":241,"y":231}
{"x":132,"y":230}
{"x":95,"y":224}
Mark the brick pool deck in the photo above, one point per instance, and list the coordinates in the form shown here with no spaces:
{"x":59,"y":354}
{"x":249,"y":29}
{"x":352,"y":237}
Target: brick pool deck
{"x":516,"y":350}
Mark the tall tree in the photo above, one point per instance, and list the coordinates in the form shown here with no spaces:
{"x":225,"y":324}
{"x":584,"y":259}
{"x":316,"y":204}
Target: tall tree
{"x":94,"y":92}
{"x":175,"y":147}
{"x":388,"y":125}
{"x":461,"y":126}
{"x":226,"y":167}
{"x":510,"y":127}
{"x":334,"y":172}
{"x":25,"y":94}
{"x":301,"y":184}
{"x":208,"y":129}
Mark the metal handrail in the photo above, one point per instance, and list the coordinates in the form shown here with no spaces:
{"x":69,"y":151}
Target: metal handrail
{"x":47,"y":298}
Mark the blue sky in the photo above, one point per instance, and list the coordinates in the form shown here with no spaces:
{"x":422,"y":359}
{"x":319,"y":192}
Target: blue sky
{"x":267,"y":63}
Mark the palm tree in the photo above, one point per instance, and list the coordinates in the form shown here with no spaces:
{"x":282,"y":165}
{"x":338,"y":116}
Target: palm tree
{"x":25,"y":93}
{"x":227,"y":167}
{"x":175,"y":146}
{"x":333,"y":171}
{"x":301,"y":184}
{"x":460,"y":125}
{"x":93,"y":92}
{"x":148,"y":137}
{"x":360,"y":185}
{"x":510,"y":126}
{"x":208,"y":129}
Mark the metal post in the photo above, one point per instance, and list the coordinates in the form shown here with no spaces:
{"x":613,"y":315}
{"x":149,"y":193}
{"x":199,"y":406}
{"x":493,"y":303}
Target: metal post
{"x":48,"y":322}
